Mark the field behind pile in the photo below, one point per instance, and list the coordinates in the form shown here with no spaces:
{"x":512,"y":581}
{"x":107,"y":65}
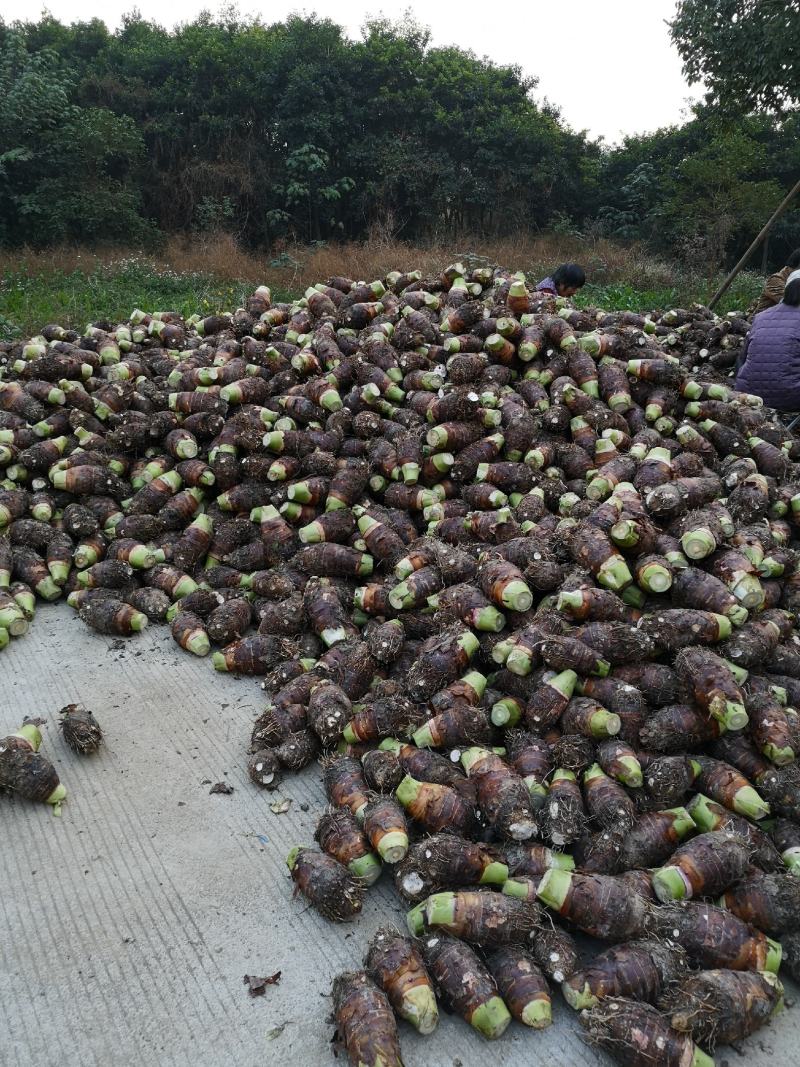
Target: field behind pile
{"x":75,"y":286}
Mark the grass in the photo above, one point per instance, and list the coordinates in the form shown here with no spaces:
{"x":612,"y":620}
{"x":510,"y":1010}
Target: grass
{"x":74,"y":286}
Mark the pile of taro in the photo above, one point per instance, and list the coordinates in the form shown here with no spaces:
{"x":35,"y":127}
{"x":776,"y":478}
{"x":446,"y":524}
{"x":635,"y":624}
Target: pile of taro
{"x":521,"y":579}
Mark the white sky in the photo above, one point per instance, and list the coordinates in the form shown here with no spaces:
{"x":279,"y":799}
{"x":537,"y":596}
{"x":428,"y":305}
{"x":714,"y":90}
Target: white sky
{"x":608,"y":64}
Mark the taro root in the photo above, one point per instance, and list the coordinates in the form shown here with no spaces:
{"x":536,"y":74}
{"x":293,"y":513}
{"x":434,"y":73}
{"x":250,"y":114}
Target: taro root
{"x":81,"y":730}
{"x":563,"y":811}
{"x":385,"y":826}
{"x":703,"y":866}
{"x":329,"y":709}
{"x":476,"y":1000}
{"x":264,"y":768}
{"x":325,"y":883}
{"x":720,"y":1007}
{"x":341,"y":837}
{"x":600,"y":905}
{"x":383,"y":771}
{"x":639,"y":970}
{"x":654,"y":837}
{"x":481,"y":917}
{"x":522,"y":986}
{"x":436,"y":807}
{"x":638,"y":1035}
{"x":446,"y":859}
{"x":24,"y":770}
{"x":555,"y":952}
{"x":770,"y":902}
{"x":395,"y":964}
{"x":713,"y":937}
{"x":365,"y":1021}
{"x":502,"y":795}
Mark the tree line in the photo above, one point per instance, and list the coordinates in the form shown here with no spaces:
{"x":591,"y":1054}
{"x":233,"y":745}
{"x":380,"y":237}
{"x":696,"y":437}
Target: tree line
{"x":292,"y":130}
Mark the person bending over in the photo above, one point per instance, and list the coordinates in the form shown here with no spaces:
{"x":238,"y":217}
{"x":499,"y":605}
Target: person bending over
{"x":771,"y":363}
{"x":566,"y":280}
{"x":774,"y":285}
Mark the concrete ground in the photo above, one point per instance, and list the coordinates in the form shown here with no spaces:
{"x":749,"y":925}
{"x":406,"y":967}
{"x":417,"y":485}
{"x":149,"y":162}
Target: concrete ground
{"x":130,"y":922}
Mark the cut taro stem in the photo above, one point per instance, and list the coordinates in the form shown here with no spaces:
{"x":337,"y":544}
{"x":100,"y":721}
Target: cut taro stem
{"x":655,"y":578}
{"x":697,"y":544}
{"x":670,"y":883}
{"x":57,"y":798}
{"x":491,"y":1019}
{"x":419,"y":1008}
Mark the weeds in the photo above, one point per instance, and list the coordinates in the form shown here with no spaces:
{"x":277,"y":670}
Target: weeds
{"x":74,"y":286}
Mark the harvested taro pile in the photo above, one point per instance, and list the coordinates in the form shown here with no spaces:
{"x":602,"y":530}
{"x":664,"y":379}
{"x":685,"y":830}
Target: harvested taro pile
{"x":521,"y":578}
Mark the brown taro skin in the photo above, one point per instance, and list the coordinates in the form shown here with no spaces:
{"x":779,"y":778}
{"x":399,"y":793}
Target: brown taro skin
{"x":503,"y":797}
{"x":384,"y":717}
{"x":713,"y":937}
{"x":707,"y":865}
{"x":522,"y":985}
{"x":395,"y":964}
{"x":25,"y":772}
{"x":154,"y":603}
{"x":555,"y":951}
{"x":484,"y":917}
{"x":463,"y":980}
{"x":326,"y":884}
{"x":385,"y":826}
{"x":297,"y":750}
{"x":264,"y":768}
{"x":564,"y":815}
{"x":365,"y":1021}
{"x":607,"y":802}
{"x":276,"y":722}
{"x":770,"y":902}
{"x":718,"y":1007}
{"x":676,"y":727}
{"x":382,"y":770}
{"x":651,"y":840}
{"x":110,"y":617}
{"x":343,"y":778}
{"x":600,"y":905}
{"x":640,"y":970}
{"x":340,"y":836}
{"x":443,"y":658}
{"x":461,"y":724}
{"x":256,"y":654}
{"x":81,"y":729}
{"x":438,"y":807}
{"x":440,"y":861}
{"x":329,"y":709}
{"x":636,"y":1035}
{"x":791,"y":954}
{"x":229,"y":621}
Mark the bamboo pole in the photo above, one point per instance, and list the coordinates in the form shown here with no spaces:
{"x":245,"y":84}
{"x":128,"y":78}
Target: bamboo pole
{"x":779,"y":210}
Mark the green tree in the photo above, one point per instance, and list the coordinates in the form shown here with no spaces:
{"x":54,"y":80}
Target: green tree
{"x":746,"y":51}
{"x":66,"y":172}
{"x":702,"y":190}
{"x":715,"y":194}
{"x":293,"y":128}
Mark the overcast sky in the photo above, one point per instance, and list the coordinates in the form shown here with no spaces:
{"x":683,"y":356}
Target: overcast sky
{"x":608,"y":64}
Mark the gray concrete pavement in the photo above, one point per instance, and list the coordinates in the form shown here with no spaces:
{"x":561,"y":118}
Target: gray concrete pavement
{"x":129,"y":923}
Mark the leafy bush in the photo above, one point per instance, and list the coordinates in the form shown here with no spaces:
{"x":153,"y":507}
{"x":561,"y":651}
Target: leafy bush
{"x":67,"y":173}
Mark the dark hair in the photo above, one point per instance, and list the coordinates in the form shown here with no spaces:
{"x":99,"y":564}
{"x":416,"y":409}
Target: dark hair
{"x":794,"y":259}
{"x":791,"y":294}
{"x":570,"y":275}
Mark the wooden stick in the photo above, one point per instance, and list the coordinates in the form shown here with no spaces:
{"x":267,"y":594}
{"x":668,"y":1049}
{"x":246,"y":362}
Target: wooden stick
{"x":768,"y":226}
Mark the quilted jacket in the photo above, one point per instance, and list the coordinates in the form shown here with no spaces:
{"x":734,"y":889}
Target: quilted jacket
{"x":771,"y":368}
